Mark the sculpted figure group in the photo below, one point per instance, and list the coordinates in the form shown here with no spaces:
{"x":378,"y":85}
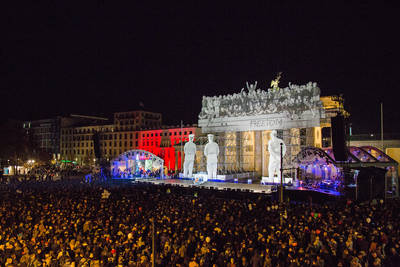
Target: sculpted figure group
{"x":211,"y":151}
{"x":293,"y":101}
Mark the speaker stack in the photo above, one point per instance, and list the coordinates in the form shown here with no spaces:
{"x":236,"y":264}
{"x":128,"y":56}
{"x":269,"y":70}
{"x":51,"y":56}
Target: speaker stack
{"x":339,"y":138}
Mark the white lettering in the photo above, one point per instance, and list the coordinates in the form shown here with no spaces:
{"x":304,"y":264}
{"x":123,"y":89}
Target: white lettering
{"x":273,"y":123}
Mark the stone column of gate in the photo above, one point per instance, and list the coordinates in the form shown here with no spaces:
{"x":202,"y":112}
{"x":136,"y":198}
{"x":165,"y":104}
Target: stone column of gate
{"x":227,"y":157}
{"x":222,"y":151}
{"x":265,"y":157}
{"x":258,"y":153}
{"x":239,"y":150}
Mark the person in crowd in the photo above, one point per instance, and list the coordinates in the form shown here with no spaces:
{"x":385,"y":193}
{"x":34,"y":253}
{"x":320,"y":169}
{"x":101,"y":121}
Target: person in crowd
{"x":72,"y":223}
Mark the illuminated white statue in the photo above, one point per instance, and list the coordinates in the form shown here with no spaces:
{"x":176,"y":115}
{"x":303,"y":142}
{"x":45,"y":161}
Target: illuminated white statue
{"x":211,"y":151}
{"x":292,"y":101}
{"x":190,"y":153}
{"x":274,"y":149}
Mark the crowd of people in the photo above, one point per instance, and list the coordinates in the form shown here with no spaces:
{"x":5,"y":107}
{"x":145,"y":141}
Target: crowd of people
{"x":139,"y":173}
{"x":70,"y":223}
{"x":43,"y":173}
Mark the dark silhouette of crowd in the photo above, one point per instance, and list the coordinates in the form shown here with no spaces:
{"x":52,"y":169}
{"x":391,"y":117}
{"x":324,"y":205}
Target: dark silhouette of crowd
{"x":70,"y":223}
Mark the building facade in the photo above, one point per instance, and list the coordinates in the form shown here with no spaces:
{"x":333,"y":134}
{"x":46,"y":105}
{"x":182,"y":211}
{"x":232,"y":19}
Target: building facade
{"x":242,"y":124}
{"x":129,"y":130}
{"x":45,"y":134}
{"x":136,"y":120}
{"x":167,"y":143}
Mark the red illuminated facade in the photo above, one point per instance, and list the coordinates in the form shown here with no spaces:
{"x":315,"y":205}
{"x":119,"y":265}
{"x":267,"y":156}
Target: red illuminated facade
{"x":161,"y":142}
{"x":127,"y":132}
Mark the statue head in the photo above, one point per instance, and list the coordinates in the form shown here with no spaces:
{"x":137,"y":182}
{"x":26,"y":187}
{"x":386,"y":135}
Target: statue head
{"x":191,"y":137}
{"x":273,"y":134}
{"x":210,"y":137}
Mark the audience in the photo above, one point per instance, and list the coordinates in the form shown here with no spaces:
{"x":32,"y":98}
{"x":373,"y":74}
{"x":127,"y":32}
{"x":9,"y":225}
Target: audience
{"x":71,"y":223}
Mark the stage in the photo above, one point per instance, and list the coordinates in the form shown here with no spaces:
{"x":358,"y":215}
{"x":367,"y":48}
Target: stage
{"x":255,"y":188}
{"x":293,"y":192}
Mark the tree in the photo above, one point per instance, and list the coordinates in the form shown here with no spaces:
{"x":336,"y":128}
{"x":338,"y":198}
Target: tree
{"x":14,"y":143}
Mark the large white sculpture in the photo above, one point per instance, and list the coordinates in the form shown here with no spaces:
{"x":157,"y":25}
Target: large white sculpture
{"x":190,"y":153}
{"x":274,"y":149}
{"x":211,"y":151}
{"x":292,"y":100}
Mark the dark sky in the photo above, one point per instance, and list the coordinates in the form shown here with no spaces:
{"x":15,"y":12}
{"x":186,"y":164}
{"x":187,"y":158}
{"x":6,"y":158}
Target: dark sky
{"x":98,"y":57}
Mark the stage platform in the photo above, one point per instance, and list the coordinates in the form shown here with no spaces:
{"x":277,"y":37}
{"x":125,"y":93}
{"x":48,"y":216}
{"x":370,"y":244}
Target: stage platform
{"x":222,"y":177}
{"x":294,"y":192}
{"x":255,"y":188}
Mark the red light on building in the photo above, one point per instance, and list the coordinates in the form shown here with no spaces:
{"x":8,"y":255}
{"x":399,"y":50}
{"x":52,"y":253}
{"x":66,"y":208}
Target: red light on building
{"x":161,"y":143}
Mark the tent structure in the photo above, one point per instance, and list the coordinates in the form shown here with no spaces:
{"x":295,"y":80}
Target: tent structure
{"x":137,"y":163}
{"x":318,"y":166}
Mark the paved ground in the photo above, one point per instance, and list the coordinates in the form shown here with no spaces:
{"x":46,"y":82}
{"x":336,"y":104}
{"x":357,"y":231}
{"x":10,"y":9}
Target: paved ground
{"x":256,"y":188}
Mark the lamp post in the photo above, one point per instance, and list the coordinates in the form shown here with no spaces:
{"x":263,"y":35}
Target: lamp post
{"x":382,"y":127}
{"x":281,"y":172}
{"x":153,"y":243}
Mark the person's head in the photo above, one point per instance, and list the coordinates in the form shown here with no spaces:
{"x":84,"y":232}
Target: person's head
{"x":210,"y":137}
{"x":273,"y":134}
{"x":191,"y":137}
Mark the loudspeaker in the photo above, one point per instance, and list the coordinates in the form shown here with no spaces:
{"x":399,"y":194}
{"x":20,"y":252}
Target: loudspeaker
{"x":371,"y":183}
{"x":338,"y":138}
{"x":96,"y":145}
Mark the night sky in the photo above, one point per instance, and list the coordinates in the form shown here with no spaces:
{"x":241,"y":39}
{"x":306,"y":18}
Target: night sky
{"x":97,"y":58}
